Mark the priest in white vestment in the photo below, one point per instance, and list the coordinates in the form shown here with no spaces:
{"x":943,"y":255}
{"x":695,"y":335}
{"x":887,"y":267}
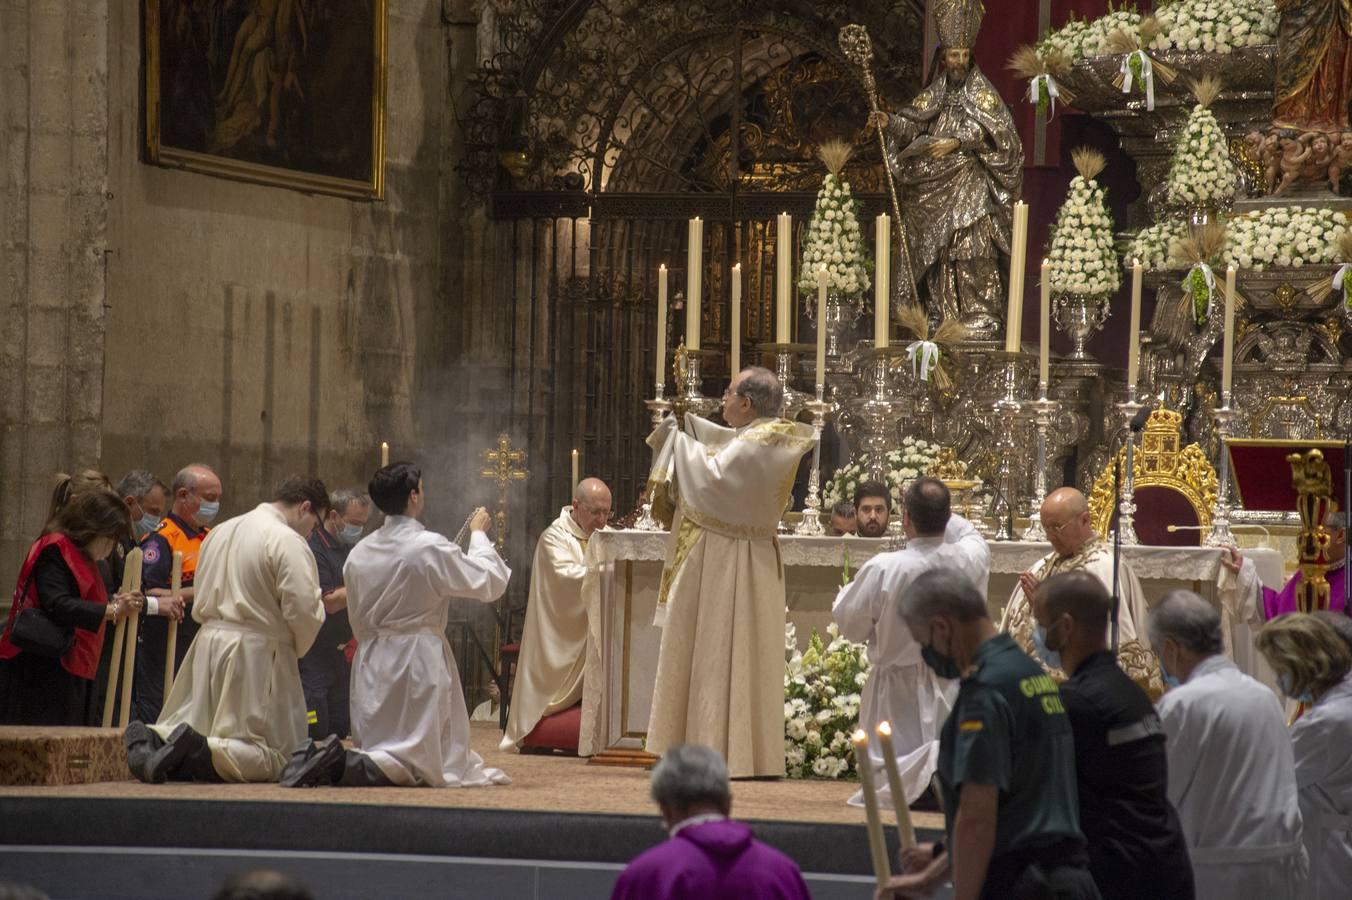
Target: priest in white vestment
{"x":554,"y":639}
{"x":1231,"y":767}
{"x":720,"y":669}
{"x":1077,"y":546}
{"x":237,"y":709}
{"x":410,"y":726}
{"x":901,"y":689}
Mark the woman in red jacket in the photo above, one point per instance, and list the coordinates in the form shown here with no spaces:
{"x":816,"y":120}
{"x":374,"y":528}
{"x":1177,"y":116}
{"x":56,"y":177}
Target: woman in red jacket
{"x":52,"y":683}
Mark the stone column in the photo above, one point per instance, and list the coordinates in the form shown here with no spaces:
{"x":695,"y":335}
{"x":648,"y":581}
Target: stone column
{"x":53,"y":223}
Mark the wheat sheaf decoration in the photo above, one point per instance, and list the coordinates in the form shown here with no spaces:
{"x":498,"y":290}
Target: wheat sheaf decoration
{"x":924,"y":352}
{"x":1046,"y":73}
{"x":1138,"y":66}
{"x":1201,"y":251}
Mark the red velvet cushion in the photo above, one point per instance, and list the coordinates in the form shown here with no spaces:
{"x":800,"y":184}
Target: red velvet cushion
{"x":557,"y":732}
{"x":1156,"y":509}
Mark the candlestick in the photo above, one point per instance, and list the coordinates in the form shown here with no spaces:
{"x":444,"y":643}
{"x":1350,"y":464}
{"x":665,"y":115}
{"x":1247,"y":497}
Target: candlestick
{"x":575,"y":472}
{"x":1126,"y":508}
{"x":660,"y":374}
{"x":1010,"y":371}
{"x":735,"y":348}
{"x":877,"y":846}
{"x":1221,"y":535}
{"x":659,"y":406}
{"x":882,"y":282}
{"x":821,"y":325}
{"x":810,"y":524}
{"x":904,"y":827}
{"x":1018,"y":252}
{"x":694,"y":283}
{"x":1228,"y":348}
{"x":1045,"y":334}
{"x":1044,"y":412}
{"x":1134,"y":333}
{"x":384,"y":454}
{"x":783,"y":279}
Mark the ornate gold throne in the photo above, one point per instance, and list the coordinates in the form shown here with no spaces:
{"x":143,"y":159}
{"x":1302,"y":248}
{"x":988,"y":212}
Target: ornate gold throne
{"x":1172,"y":485}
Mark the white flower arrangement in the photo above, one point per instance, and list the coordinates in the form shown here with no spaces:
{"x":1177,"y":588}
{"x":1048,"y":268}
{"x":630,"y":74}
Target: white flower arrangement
{"x":833,"y":240}
{"x":1201,"y":173}
{"x":821,"y":704}
{"x":1285,"y":236}
{"x":1082,"y":255}
{"x":1216,"y":26}
{"x":1151,"y":245}
{"x":904,"y":464}
{"x":1084,"y":39}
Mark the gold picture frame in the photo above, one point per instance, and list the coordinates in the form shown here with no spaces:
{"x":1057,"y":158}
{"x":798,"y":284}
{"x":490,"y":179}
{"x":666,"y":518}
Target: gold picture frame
{"x":269,"y":95}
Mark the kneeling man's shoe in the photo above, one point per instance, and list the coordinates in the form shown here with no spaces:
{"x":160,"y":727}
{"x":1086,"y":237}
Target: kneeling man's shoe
{"x":315,"y":765}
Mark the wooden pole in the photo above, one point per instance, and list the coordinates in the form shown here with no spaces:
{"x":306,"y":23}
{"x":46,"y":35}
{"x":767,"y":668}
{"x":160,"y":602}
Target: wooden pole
{"x":133,"y":585}
{"x":171,"y":641}
{"x":130,"y":564}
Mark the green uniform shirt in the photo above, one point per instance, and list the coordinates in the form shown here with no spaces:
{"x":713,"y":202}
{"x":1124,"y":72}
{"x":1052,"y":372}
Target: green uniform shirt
{"x":1009,"y":729}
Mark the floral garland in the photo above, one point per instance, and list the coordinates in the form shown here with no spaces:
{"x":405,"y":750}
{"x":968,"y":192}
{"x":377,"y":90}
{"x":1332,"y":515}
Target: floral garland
{"x":1082,"y":255}
{"x":1285,"y":236}
{"x":908,"y":462}
{"x":1084,"y":39}
{"x":833,"y":241}
{"x":821,"y":704}
{"x":1201,"y":173}
{"x":1208,"y":26}
{"x":1151,"y":245}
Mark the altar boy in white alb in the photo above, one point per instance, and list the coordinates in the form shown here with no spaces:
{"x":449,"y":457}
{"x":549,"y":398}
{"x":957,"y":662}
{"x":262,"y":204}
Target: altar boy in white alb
{"x":720,"y":669}
{"x":901,"y":689}
{"x":409,"y":722}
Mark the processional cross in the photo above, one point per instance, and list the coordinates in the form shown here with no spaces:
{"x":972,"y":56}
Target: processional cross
{"x":503,"y":469}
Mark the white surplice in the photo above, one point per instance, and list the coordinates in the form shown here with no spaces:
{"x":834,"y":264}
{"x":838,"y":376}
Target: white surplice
{"x":257,"y":599}
{"x":1232,"y":780}
{"x":720,"y":668}
{"x":408,"y":708}
{"x":1321,"y":740}
{"x":901,"y":689}
{"x":554,"y":638}
{"x":1095,"y":558}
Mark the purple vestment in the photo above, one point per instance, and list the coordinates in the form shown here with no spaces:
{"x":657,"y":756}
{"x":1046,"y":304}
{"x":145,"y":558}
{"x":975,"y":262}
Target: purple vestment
{"x":1279,"y":603}
{"x":713,"y":861}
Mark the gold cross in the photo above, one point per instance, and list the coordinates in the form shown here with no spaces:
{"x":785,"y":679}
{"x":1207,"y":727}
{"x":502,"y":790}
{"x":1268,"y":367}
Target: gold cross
{"x":504,"y":463}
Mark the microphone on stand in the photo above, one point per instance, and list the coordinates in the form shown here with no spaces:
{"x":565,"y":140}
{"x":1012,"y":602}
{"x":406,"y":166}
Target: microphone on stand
{"x":1138,"y":421}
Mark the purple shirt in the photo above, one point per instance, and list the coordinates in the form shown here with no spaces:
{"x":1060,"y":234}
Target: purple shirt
{"x":1279,"y":603}
{"x":713,"y":861}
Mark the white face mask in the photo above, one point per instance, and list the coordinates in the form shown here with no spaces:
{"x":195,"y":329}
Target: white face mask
{"x":208,"y":511}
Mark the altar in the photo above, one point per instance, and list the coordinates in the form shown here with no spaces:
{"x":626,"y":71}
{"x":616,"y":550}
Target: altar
{"x":621,"y":598}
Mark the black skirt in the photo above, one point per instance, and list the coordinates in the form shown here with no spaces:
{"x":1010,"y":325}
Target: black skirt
{"x":35,"y":690}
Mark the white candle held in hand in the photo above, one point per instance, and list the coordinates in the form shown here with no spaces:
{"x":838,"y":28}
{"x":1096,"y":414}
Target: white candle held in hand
{"x":882,"y":869}
{"x":384,"y":454}
{"x":895,"y":787}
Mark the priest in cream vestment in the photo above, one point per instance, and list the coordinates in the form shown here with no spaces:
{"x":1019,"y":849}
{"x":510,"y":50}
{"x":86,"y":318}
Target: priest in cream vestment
{"x":257,"y":600}
{"x":554,"y":639}
{"x":720,"y":670}
{"x":1075,"y":545}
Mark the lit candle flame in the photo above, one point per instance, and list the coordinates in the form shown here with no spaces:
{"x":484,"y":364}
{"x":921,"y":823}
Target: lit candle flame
{"x":885,"y":728}
{"x":859,"y":737}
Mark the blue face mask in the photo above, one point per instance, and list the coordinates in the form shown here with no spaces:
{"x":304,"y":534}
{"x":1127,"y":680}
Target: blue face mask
{"x":1046,"y":654}
{"x":1284,"y":685}
{"x":1169,"y":680}
{"x":146,"y":524}
{"x":208,"y":511}
{"x":350,"y":534}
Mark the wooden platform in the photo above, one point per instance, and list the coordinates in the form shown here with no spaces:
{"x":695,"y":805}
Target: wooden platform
{"x":61,"y":756}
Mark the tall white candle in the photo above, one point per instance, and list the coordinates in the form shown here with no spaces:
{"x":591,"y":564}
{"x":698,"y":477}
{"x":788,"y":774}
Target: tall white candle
{"x":735,"y":339}
{"x":660,"y":375}
{"x":1134,"y":333}
{"x":384,"y":454}
{"x":895,"y":786}
{"x":1228,"y":348}
{"x":821,"y":325}
{"x":1045,"y":336}
{"x":882,"y":282}
{"x":1018,"y":252}
{"x":783,"y":278}
{"x":575,"y":471}
{"x":694,"y":283}
{"x":877,"y":846}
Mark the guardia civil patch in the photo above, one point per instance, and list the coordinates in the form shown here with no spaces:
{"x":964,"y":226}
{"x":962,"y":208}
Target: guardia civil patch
{"x":974,"y":725}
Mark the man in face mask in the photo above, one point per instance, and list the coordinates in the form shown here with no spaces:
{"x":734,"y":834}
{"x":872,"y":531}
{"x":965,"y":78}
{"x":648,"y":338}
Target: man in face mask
{"x":325,"y":671}
{"x":196,"y":498}
{"x":1006,"y":759}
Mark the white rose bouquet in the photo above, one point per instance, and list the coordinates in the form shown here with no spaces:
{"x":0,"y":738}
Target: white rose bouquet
{"x":1285,"y":236}
{"x":904,"y":464}
{"x":1151,"y":244}
{"x":1215,"y":26}
{"x":1080,"y":39}
{"x":821,"y":704}
{"x":1082,"y":255}
{"x":833,"y":238}
{"x":1201,"y":173}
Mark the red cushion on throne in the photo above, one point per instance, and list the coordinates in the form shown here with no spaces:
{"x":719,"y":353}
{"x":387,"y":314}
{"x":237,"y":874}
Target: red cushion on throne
{"x":557,"y":732}
{"x":1156,"y":509}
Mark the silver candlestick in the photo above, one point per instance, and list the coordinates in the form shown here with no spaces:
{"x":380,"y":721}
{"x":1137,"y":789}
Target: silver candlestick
{"x":811,"y":523}
{"x":1220,"y":535}
{"x":1126,"y":510}
{"x":1009,"y":410}
{"x":1044,"y":413}
{"x":878,"y":412}
{"x":691,"y":398}
{"x":794,"y":400}
{"x":659,"y":406}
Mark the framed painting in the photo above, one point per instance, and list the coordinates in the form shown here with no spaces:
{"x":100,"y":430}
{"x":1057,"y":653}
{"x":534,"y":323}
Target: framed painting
{"x":280,"y":92}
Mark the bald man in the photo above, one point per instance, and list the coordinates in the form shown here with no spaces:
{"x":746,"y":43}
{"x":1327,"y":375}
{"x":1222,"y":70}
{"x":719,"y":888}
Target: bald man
{"x":1076,"y":546}
{"x":554,"y":642}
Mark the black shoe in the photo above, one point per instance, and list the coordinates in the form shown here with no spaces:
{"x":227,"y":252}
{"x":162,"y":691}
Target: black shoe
{"x":141,"y":744}
{"x":196,"y":764}
{"x":151,"y":760}
{"x":315,"y":765}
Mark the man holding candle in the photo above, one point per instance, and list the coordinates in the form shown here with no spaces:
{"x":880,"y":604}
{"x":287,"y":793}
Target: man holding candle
{"x":720,"y":669}
{"x":1006,"y":760}
{"x":901,"y":689}
{"x":554,"y":640}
